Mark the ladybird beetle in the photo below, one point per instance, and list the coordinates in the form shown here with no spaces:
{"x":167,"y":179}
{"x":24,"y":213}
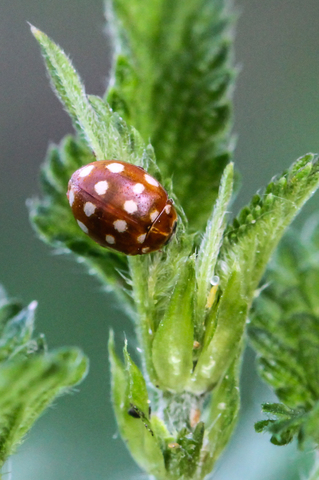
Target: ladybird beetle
{"x":121,"y":206}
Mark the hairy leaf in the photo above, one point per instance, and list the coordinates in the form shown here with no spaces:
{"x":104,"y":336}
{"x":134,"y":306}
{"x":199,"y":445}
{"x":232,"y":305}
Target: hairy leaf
{"x":136,"y":386}
{"x":210,"y":246}
{"x":285,"y":333}
{"x":183,"y":456}
{"x":255,"y":233}
{"x":30,"y":377}
{"x":154,"y":279}
{"x":221,"y":345}
{"x":135,"y":429}
{"x":243,"y":256}
{"x":173,"y":341}
{"x":222,"y":413}
{"x":289,"y":423}
{"x":173,"y":82}
{"x":104,"y":130}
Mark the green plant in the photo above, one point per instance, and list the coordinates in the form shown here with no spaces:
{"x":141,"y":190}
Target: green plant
{"x":284,"y":331}
{"x":30,"y":376}
{"x":172,"y":83}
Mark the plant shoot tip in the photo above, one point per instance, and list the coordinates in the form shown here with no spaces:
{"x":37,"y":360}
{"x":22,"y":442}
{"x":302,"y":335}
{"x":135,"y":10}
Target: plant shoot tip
{"x":35,"y":31}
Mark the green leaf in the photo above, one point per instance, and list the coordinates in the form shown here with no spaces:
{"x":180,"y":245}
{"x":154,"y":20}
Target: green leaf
{"x":140,"y":439}
{"x":220,"y":350}
{"x":119,"y":383}
{"x":193,"y":446}
{"x":278,"y":409}
{"x":122,"y":141}
{"x":284,"y":331}
{"x":154,"y":279}
{"x":30,"y":378}
{"x":173,"y":82}
{"x":70,"y":90}
{"x":183,"y":460}
{"x":136,"y":386}
{"x":210,"y":246}
{"x":222,"y":413}
{"x":173,"y":342}
{"x":105,"y":132}
{"x":243,"y":256}
{"x":18,"y":325}
{"x":290,"y":423}
{"x":28,"y":386}
{"x":160,"y":431}
{"x":257,"y":230}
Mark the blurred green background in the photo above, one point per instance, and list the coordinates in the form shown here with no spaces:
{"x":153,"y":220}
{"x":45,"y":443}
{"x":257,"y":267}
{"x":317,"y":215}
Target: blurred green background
{"x":276,"y":120}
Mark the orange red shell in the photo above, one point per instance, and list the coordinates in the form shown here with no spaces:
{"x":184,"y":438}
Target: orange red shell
{"x":121,"y":206}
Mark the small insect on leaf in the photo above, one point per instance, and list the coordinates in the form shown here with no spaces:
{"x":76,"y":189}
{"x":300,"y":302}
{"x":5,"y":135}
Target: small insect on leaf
{"x":121,"y":206}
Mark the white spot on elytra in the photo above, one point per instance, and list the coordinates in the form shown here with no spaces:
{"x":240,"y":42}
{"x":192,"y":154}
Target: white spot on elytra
{"x":138,"y":188}
{"x":130,"y":206}
{"x":141,"y":238}
{"x":101,"y":187}
{"x":83,"y":227}
{"x":167,"y":209}
{"x":154,"y":215}
{"x":151,"y":180}
{"x":115,"y":167}
{"x":110,"y":239}
{"x":89,"y":208}
{"x":145,"y":250}
{"x":71,"y":196}
{"x":86,"y":170}
{"x":120,"y":225}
